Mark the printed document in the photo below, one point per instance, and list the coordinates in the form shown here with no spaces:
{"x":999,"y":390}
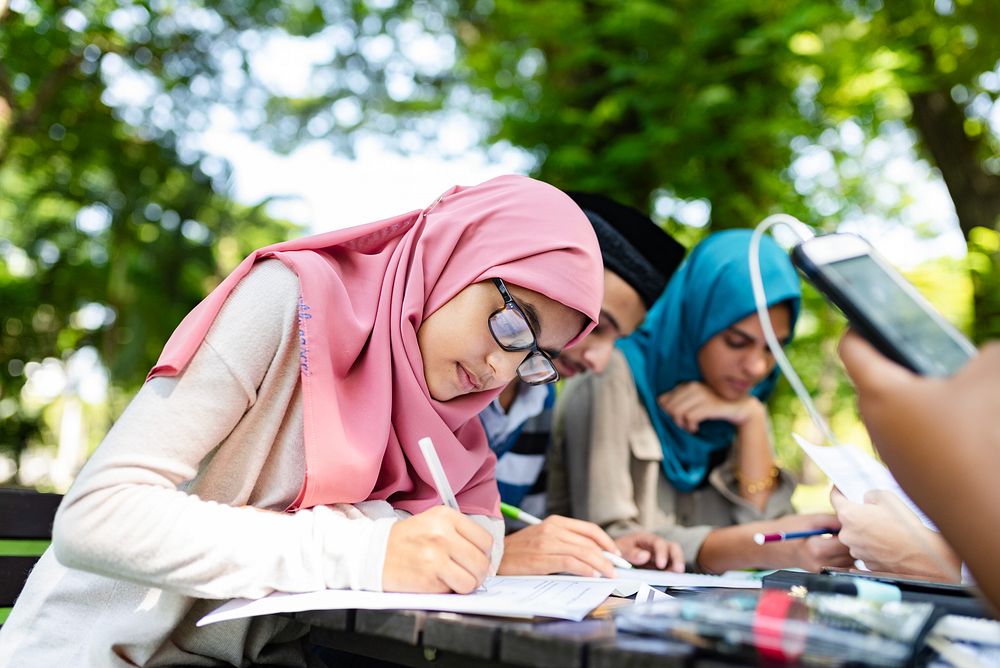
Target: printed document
{"x":500,"y":596}
{"x":686,"y":580}
{"x":625,"y":585}
{"x":854,"y":472}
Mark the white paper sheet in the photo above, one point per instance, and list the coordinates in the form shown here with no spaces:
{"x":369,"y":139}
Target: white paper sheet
{"x":646,"y":594}
{"x":502,"y":596}
{"x":624,"y":585}
{"x":854,"y":472}
{"x":668,"y":579}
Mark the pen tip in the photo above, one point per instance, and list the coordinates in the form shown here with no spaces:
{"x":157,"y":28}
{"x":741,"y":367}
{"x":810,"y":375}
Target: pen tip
{"x":758,"y":538}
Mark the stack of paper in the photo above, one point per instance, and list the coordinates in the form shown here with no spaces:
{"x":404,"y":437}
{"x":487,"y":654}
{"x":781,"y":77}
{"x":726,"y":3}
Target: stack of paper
{"x":686,"y":580}
{"x":500,"y":596}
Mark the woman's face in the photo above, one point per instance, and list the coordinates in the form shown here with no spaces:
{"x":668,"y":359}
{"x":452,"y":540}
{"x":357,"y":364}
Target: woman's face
{"x":461,"y":356}
{"x":737,"y":358}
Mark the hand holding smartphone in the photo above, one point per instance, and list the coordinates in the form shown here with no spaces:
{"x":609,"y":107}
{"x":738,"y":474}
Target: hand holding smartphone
{"x":882,"y":305}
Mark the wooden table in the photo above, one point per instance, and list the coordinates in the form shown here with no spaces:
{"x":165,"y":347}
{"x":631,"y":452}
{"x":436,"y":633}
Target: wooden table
{"x":447,"y":639}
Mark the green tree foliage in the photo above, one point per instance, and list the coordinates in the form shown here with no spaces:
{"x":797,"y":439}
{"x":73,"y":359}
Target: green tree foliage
{"x":710,"y":100}
{"x":691,"y":98}
{"x":934,"y":66}
{"x":107,"y":206}
{"x":107,"y":235}
{"x":706,"y":100}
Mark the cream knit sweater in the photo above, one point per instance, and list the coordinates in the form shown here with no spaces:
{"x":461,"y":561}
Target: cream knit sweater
{"x":181,"y":508}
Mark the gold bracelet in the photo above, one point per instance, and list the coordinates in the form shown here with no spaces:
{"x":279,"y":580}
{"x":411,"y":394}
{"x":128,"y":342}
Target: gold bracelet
{"x":770,"y":481}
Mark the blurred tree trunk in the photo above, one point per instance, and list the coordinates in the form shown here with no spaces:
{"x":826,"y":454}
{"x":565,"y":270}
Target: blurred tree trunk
{"x":975,"y":192}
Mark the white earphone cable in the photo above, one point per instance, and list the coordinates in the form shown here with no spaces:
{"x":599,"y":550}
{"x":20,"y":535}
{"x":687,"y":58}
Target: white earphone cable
{"x":802,"y":231}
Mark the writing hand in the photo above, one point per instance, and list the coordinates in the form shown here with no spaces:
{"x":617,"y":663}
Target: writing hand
{"x":437,"y":551}
{"x":558,"y":545}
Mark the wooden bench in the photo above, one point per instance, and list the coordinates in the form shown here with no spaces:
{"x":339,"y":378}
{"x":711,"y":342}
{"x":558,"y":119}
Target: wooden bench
{"x":25,"y":531}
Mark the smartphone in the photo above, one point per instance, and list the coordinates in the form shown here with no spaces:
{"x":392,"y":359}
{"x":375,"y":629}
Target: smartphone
{"x":881,"y":305}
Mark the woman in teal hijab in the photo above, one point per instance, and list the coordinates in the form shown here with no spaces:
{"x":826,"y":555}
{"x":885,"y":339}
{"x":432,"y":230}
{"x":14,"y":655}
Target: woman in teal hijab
{"x":673,"y":438}
{"x":708,"y":295}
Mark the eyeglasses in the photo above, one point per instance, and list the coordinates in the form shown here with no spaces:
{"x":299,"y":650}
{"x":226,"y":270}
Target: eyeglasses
{"x":513,"y":333}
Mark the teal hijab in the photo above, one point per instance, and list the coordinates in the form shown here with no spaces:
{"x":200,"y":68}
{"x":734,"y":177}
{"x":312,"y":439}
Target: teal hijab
{"x":710,"y":292}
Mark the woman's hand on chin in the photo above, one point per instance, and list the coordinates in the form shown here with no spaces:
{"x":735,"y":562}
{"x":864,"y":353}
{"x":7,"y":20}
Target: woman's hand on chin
{"x":689,"y":404}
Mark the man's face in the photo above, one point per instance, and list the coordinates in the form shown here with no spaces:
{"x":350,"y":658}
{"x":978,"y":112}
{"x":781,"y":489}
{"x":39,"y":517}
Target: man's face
{"x":621,"y":312}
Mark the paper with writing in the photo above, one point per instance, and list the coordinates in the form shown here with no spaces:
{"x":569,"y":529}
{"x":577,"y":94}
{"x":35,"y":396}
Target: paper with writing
{"x":669,"y":579}
{"x":502,"y":596}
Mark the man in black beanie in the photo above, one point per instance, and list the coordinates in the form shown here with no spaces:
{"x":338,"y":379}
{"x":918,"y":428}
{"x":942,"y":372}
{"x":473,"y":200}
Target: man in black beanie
{"x":639,"y":258}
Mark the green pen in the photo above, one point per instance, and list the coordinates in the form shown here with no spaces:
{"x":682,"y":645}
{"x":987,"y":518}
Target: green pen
{"x":515,"y":513}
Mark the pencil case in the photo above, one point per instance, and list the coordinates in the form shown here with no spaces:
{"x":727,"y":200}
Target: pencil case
{"x":778,"y":627}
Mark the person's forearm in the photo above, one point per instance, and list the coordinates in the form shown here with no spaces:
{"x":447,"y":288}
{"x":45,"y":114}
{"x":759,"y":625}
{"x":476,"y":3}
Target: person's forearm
{"x":936,"y":559}
{"x":952,"y":480}
{"x":730,"y":548}
{"x":940,"y":438}
{"x":171,"y":540}
{"x":755,"y":472}
{"x":733,"y":547}
{"x":495,"y":526}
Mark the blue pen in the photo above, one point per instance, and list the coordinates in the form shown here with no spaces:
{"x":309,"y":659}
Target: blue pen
{"x":761,"y":538}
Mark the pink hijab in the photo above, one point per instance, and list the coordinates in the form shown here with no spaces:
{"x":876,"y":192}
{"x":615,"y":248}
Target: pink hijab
{"x":364,"y":292}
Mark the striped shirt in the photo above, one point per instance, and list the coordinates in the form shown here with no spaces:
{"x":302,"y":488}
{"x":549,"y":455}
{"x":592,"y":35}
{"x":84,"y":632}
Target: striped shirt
{"x":520,"y":439}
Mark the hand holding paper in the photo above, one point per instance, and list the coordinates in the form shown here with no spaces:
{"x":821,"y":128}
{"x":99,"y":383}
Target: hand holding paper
{"x":855,"y":472}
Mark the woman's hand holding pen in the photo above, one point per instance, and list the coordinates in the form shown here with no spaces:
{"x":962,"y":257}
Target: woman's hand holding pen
{"x":558,"y":545}
{"x":645,"y":549}
{"x":437,"y":551}
{"x":690,"y":404}
{"x":811,"y":553}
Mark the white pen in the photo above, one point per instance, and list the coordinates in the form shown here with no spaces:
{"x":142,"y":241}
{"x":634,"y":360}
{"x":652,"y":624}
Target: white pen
{"x":441,"y":481}
{"x":437,"y":473}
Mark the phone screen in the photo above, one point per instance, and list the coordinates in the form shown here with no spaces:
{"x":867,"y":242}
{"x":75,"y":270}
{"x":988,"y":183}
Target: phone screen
{"x":892,"y":310}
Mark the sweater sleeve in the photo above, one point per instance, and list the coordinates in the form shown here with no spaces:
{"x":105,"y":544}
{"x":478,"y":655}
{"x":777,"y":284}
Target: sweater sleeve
{"x":495,"y":526}
{"x":131,"y":513}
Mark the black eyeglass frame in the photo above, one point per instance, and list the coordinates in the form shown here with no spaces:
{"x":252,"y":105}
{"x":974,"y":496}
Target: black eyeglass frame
{"x":535,"y":351}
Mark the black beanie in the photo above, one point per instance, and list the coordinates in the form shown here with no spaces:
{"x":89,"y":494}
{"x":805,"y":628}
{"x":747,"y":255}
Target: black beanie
{"x":632,"y":245}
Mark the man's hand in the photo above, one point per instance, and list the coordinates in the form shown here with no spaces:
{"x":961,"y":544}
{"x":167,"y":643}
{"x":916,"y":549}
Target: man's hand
{"x":647,"y":550}
{"x":558,"y":545}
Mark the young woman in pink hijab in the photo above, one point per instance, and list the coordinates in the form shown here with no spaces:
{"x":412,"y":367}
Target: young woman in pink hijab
{"x":274,"y":446}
